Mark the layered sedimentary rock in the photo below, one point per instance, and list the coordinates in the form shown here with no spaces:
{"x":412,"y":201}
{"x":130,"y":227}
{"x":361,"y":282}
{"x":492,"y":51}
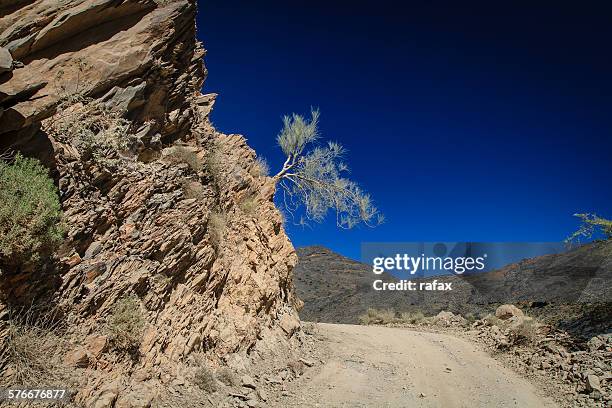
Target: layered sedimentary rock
{"x":194,"y":239}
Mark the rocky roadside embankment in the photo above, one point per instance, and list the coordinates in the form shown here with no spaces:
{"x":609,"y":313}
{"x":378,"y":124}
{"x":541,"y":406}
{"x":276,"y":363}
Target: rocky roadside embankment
{"x":175,"y":262}
{"x":576,"y":371}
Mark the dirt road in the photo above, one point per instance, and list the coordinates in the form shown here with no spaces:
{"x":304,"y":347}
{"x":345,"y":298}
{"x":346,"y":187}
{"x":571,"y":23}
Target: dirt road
{"x":373,"y":366}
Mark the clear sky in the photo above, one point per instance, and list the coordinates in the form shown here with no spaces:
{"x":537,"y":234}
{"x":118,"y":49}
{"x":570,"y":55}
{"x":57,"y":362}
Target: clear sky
{"x":466,"y":121}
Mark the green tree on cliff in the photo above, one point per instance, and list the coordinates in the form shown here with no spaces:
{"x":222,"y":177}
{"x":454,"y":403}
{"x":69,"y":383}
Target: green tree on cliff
{"x":313,"y":176}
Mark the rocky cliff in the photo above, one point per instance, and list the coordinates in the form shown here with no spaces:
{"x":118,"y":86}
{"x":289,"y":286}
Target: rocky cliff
{"x":162,"y":211}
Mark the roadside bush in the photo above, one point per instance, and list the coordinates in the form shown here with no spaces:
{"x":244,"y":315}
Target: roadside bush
{"x":492,"y":320}
{"x":470,"y":318}
{"x":126,"y":324}
{"x":377,"y":316}
{"x":525,"y":332}
{"x":30,"y":214}
{"x":205,"y":379}
{"x":412,"y":318}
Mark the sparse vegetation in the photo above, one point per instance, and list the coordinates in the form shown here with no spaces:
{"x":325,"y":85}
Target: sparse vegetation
{"x":227,"y":377}
{"x":213,"y":162}
{"x":297,"y":367}
{"x":248,"y":205}
{"x":183,"y":154}
{"x":525,"y":331}
{"x":126,"y":324}
{"x":97,"y":131}
{"x":377,"y":316}
{"x":32,"y":349}
{"x":260,"y":168}
{"x":470,"y":318}
{"x":412,"y":318}
{"x":193,"y":189}
{"x":217,"y":224}
{"x":205,"y":379}
{"x":592,"y":224}
{"x":492,"y":320}
{"x":30,"y":213}
{"x":313,"y":177}
{"x":387,"y":316}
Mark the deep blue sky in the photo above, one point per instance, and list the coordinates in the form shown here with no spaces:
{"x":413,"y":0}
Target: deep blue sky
{"x":465,"y":121}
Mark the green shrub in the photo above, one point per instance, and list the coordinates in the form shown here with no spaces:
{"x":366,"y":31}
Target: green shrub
{"x":30,"y":213}
{"x":126,"y":324}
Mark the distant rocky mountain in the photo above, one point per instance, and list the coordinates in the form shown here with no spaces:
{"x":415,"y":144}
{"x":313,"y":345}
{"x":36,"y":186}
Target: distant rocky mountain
{"x":337,"y":289}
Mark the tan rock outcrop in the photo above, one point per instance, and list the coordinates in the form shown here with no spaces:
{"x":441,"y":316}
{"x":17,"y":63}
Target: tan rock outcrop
{"x":505,"y":312}
{"x":201,"y":246}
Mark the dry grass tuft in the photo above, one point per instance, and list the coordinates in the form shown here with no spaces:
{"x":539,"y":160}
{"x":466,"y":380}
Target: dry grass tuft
{"x":492,"y":320}
{"x":248,"y":205}
{"x":377,"y":316}
{"x":182,"y":154}
{"x":192,"y":189}
{"x":33,"y":349}
{"x":205,"y":380}
{"x":126,"y":324}
{"x":525,"y":332}
{"x":213,"y":162}
{"x":260,"y":168}
{"x":227,"y":377}
{"x":412,"y":317}
{"x":217,"y":223}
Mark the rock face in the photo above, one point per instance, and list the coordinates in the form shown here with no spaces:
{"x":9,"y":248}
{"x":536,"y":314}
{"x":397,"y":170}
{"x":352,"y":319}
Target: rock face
{"x":91,"y":47}
{"x":176,"y":217}
{"x":6,"y":60}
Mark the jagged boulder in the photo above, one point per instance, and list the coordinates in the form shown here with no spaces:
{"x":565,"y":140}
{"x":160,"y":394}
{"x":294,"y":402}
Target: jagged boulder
{"x":505,"y":312}
{"x":6,"y":60}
